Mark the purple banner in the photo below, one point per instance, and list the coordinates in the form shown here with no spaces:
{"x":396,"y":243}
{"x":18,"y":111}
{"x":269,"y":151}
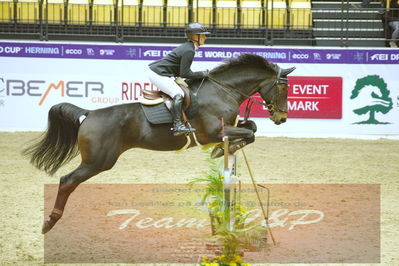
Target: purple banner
{"x":207,"y":53}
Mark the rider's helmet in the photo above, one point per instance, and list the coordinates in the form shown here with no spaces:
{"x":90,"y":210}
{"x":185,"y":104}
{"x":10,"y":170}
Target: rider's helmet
{"x":195,"y":28}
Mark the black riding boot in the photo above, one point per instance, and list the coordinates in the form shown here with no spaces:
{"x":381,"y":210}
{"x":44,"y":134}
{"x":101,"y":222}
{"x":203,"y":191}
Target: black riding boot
{"x":178,"y":127}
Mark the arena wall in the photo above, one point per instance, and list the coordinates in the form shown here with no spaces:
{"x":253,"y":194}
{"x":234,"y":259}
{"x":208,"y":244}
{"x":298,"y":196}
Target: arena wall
{"x":333,"y":92}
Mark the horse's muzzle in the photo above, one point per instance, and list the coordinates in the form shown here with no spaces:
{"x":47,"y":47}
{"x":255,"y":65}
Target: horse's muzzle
{"x":279,"y":118}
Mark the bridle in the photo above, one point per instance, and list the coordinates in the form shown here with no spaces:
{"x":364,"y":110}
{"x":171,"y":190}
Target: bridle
{"x":270,"y":106}
{"x":279,"y":80}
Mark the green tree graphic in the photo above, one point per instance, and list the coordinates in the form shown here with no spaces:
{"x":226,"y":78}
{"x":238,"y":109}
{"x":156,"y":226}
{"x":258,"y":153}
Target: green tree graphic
{"x":380,"y":103}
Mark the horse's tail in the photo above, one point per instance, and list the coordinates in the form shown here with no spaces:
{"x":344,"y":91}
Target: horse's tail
{"x":58,"y":143}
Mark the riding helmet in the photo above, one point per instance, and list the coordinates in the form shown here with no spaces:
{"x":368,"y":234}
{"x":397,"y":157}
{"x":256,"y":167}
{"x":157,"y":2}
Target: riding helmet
{"x":195,"y":28}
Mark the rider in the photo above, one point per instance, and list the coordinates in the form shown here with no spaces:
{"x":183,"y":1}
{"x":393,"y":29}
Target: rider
{"x":178,"y":64}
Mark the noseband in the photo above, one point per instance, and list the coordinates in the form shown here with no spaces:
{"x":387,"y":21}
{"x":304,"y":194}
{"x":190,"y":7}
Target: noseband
{"x":279,"y":80}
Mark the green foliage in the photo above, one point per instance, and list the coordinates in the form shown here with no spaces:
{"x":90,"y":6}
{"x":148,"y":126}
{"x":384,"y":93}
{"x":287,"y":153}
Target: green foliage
{"x":213,"y":180}
{"x":232,"y":236}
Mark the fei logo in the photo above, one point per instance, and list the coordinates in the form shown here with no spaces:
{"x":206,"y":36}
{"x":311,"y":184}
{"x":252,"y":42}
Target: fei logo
{"x":377,"y":102}
{"x":379,"y":57}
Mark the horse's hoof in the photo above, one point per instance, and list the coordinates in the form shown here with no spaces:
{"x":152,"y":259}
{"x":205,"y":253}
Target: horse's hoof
{"x":46,"y":227}
{"x":217,"y":152}
{"x":236,"y":147}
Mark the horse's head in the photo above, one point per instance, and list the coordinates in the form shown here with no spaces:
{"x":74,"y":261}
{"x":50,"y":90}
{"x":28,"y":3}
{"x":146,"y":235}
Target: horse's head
{"x":248,"y":74}
{"x":275,"y":96}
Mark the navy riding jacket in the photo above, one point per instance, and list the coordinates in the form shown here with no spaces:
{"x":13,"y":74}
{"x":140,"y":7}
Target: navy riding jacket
{"x":178,"y":63}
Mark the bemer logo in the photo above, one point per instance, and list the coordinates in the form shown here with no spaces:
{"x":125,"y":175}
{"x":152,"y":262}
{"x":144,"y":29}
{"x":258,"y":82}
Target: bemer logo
{"x":42,"y":88}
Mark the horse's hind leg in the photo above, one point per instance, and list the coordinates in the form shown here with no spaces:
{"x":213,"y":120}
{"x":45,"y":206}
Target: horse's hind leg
{"x":68,"y":184}
{"x":94,"y":161}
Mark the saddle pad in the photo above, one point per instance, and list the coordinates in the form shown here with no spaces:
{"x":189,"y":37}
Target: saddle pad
{"x":157,"y":114}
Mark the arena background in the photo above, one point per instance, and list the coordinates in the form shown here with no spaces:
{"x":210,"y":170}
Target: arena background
{"x":321,"y":143}
{"x":298,"y":159}
{"x":322,"y":97}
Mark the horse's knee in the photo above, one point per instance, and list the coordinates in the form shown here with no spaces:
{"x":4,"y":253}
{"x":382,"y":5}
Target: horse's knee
{"x":249,"y":124}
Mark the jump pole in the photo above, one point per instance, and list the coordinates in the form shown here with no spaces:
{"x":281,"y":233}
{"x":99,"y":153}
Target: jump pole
{"x":226,"y":183}
{"x":229,"y":181}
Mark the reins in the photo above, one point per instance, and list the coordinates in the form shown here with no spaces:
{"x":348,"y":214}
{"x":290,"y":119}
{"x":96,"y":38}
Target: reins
{"x":231,"y":90}
{"x":225,"y":87}
{"x":270,"y":106}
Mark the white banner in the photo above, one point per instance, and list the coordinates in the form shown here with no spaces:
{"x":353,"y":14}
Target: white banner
{"x":30,"y":86}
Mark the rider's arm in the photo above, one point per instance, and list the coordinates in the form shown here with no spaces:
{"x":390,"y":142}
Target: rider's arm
{"x":185,"y":67}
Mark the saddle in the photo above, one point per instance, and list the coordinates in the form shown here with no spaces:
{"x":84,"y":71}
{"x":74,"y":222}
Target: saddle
{"x":157,"y":97}
{"x":157,"y":104}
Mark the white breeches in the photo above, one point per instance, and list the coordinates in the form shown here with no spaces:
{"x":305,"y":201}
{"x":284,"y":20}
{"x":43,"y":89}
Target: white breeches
{"x":165,"y":84}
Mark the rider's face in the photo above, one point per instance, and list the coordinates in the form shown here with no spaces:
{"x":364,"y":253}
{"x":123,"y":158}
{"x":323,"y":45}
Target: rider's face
{"x":201,"y":38}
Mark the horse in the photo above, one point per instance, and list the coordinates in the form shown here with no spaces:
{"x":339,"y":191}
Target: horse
{"x":106,"y":133}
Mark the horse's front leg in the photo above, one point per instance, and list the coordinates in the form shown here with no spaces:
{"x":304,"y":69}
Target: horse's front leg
{"x":249,"y":124}
{"x":238,"y":137}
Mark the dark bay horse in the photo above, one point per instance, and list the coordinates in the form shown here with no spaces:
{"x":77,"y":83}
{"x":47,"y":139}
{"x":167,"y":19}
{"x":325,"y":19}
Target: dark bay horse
{"x":106,"y":133}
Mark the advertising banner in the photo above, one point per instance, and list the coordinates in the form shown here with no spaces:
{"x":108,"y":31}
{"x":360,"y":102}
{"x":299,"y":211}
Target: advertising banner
{"x":308,"y":97}
{"x":168,"y":223}
{"x":332,"y":92}
{"x":155,"y":52}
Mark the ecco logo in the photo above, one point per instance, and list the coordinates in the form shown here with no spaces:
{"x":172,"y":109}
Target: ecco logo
{"x":300,"y":56}
{"x":73,"y":51}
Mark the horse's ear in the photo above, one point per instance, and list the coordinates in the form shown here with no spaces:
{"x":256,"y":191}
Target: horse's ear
{"x":287,"y":71}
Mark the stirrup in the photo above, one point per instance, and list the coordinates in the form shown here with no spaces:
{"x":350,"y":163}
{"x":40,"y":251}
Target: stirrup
{"x":182,"y":131}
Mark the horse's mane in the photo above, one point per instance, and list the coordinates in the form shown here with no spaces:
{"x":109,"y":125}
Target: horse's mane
{"x":244,"y":59}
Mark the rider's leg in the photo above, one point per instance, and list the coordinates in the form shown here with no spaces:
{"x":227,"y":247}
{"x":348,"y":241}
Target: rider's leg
{"x":165,"y":84}
{"x":178,"y":127}
{"x":169,"y":86}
